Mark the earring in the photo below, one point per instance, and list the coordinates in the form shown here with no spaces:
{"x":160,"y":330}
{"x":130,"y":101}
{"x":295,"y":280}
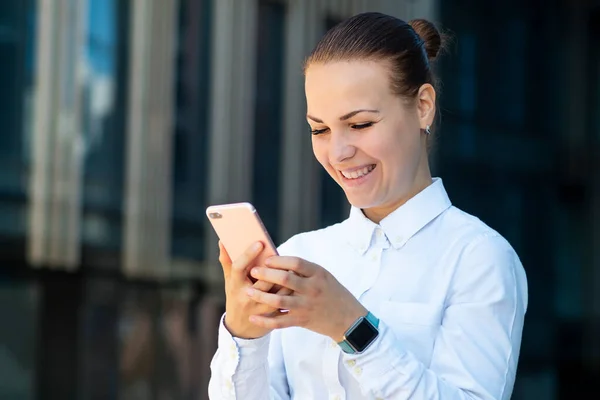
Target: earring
{"x":427,"y":130}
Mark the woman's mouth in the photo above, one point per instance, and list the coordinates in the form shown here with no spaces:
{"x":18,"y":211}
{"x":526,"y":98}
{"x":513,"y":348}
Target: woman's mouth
{"x":358,"y":173}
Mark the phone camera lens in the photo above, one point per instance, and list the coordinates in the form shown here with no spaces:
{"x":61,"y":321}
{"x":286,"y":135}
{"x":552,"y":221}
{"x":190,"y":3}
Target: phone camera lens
{"x":215,"y":215}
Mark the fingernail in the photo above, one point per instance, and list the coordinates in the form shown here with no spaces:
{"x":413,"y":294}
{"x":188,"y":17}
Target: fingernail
{"x":254,"y":272}
{"x":249,"y":291}
{"x":268,"y":262}
{"x":256,"y":246}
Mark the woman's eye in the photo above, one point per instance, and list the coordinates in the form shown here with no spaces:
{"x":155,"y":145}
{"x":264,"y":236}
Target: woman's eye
{"x":318,"y":131}
{"x":362,"y":126}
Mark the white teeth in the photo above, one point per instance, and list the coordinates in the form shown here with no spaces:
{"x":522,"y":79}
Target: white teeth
{"x":358,"y":173}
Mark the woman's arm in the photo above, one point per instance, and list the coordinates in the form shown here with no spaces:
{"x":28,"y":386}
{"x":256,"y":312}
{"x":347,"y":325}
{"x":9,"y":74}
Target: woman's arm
{"x":477,"y":346}
{"x":476,"y":351}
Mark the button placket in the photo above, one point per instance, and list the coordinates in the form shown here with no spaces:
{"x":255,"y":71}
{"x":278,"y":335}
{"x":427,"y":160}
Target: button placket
{"x":371,"y":272}
{"x":374,"y":257}
{"x":233,"y":351}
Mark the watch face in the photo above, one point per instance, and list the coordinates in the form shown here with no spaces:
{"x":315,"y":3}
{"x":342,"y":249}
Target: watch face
{"x":362,"y":335}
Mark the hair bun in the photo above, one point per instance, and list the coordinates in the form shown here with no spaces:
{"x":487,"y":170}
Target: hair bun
{"x":429,"y":34}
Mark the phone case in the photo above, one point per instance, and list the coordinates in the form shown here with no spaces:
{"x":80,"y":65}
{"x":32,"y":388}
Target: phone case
{"x":238,"y":226}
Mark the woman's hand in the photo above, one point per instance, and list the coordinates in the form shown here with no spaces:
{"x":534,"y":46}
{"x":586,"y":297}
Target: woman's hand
{"x":238,"y":307}
{"x":319,"y":302}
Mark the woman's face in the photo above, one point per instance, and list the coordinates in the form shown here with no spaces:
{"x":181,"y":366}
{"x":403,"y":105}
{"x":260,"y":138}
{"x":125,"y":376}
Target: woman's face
{"x":367,"y":138}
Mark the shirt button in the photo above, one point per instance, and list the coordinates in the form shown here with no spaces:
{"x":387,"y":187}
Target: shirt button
{"x":358,"y":371}
{"x":333,"y":345}
{"x":228,"y":384}
{"x":399,"y":239}
{"x":374,"y":257}
{"x":351,"y":363}
{"x":336,"y":397}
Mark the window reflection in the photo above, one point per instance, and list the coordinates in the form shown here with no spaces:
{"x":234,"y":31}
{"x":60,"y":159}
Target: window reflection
{"x":104,"y":122}
{"x":191,"y":129}
{"x":268,"y":113}
{"x":17,"y":37}
{"x":163,"y":353}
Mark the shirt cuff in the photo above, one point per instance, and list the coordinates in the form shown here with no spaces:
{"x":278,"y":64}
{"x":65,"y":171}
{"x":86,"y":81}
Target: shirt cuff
{"x":384,"y":363}
{"x":244,"y":354}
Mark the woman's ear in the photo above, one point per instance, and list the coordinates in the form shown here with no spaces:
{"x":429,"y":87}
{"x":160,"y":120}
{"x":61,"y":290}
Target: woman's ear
{"x":426,"y":105}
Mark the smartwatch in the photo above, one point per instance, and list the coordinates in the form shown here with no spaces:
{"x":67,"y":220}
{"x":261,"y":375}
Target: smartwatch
{"x":360,"y":335}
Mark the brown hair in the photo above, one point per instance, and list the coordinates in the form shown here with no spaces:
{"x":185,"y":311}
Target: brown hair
{"x":410,"y":47}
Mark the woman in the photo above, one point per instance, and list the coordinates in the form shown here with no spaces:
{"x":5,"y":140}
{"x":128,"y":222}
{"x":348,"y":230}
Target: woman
{"x":409,"y":298}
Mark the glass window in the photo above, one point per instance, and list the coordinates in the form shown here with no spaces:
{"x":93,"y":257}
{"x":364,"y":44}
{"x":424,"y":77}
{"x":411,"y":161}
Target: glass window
{"x":17,"y":36}
{"x":191,"y":129}
{"x":594,"y":67}
{"x":268,"y":112}
{"x":504,"y":54}
{"x":104,"y":123}
{"x":18,"y":355}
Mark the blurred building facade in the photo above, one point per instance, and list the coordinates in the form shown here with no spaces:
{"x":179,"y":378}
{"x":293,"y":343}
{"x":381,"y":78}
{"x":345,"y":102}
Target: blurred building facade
{"x":123,"y":120}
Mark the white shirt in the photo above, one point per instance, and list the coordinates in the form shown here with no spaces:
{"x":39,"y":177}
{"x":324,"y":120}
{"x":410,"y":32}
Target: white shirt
{"x":450,"y":294}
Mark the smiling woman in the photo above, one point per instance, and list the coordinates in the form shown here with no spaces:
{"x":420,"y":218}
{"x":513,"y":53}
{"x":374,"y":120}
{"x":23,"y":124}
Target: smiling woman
{"x":410,"y":297}
{"x":372,"y":129}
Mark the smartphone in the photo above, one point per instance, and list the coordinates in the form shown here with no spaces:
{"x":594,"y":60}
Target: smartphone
{"x":238,"y":226}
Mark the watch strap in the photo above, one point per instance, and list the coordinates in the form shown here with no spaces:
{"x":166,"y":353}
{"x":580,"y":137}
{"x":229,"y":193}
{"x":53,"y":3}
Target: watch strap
{"x":372,"y":319}
{"x":346,"y":348}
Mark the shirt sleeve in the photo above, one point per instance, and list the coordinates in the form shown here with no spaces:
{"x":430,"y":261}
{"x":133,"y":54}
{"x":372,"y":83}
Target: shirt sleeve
{"x":477,"y":346}
{"x":248,"y":369}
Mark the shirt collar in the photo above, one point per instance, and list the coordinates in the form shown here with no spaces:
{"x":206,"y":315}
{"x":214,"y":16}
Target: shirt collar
{"x":403,"y":223}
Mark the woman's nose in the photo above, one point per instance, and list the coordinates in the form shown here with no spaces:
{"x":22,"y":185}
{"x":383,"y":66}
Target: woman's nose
{"x":340,"y":147}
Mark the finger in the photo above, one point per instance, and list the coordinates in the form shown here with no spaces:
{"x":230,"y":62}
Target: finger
{"x":273,"y":300}
{"x":240,"y":266}
{"x":280,"y":277}
{"x":299,"y":266}
{"x":279,"y":321}
{"x":283,"y":291}
{"x":263,"y":286}
{"x":225,"y":260}
{"x":273,"y":313}
{"x":278,"y":289}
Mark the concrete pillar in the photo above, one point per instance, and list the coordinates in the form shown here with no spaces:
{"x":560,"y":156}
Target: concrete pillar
{"x":147,"y":236}
{"x":56,"y":174}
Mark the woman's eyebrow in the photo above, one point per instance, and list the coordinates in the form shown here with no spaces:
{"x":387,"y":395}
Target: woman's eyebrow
{"x":345,"y":116}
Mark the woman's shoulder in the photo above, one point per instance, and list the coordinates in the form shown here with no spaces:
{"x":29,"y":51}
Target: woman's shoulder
{"x":486,"y":262}
{"x":468,"y":228}
{"x":477,"y":245}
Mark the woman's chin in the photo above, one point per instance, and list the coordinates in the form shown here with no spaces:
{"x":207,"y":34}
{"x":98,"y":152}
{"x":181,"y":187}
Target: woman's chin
{"x":362,"y":202}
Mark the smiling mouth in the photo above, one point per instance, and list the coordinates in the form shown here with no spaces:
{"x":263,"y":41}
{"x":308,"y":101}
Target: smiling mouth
{"x":359,"y":173}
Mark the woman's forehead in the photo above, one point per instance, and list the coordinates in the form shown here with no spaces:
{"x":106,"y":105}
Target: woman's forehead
{"x":346,"y":85}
